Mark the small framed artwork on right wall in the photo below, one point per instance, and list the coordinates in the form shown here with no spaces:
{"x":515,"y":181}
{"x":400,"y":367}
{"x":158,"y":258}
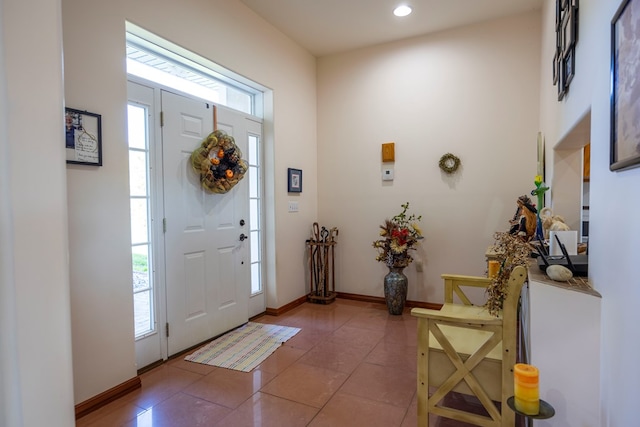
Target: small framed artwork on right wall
{"x":625,"y":87}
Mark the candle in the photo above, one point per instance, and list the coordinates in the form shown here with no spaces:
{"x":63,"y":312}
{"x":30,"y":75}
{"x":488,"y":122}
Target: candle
{"x":525,"y":381}
{"x":494,"y":267}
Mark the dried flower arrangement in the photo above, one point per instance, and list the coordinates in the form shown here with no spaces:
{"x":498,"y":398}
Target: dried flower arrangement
{"x":400,"y":234}
{"x":511,"y":251}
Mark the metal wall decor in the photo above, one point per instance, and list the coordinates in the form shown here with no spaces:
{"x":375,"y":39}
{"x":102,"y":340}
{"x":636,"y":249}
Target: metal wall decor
{"x":564,"y":59}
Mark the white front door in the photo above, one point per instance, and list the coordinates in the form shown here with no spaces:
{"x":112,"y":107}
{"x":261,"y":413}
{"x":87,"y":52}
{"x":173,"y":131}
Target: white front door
{"x":206,"y":262}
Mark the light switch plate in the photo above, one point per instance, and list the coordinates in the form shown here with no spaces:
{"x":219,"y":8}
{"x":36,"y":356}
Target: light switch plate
{"x":293,"y":206}
{"x":387,"y":174}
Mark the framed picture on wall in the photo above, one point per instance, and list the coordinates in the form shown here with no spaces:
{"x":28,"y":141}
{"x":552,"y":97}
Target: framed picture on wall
{"x":566,"y":31}
{"x":294,"y":181}
{"x":625,"y":87}
{"x":83,"y":137}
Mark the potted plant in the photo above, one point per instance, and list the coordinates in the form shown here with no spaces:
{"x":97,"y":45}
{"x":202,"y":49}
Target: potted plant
{"x":399,"y":235}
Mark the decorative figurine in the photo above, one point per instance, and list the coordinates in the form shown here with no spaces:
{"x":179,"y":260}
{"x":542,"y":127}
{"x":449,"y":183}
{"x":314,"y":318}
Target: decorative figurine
{"x":525,"y":220}
{"x":541,"y":188}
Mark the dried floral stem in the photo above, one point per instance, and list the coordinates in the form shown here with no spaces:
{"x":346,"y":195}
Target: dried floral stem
{"x":512,"y":251}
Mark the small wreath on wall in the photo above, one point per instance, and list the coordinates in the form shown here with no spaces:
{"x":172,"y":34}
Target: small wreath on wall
{"x":219,"y":162}
{"x":449,"y":163}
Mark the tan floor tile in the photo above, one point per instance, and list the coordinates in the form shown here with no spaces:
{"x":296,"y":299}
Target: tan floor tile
{"x":114,"y":414}
{"x":346,"y":410}
{"x":336,"y":357}
{"x":181,"y":410}
{"x":394,"y":355}
{"x":411,"y":417}
{"x":265,"y":410}
{"x":307,"y":338}
{"x":349,"y":336}
{"x":159,"y":384}
{"x":387,"y":385}
{"x":281,"y":359}
{"x":306,"y":384}
{"x":229,"y":388}
{"x":198,"y":368}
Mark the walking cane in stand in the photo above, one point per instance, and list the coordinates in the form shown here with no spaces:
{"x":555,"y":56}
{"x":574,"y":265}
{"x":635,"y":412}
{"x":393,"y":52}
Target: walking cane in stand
{"x":324,"y":234}
{"x":332,"y":239}
{"x":314,"y":254}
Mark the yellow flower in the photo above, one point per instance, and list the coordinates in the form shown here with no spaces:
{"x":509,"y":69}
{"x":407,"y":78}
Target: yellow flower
{"x":417,"y":229}
{"x":397,"y":248}
{"x":538,"y":180}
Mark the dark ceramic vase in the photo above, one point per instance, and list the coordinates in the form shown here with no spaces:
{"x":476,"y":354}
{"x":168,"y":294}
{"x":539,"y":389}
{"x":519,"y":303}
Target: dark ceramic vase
{"x":395,"y":290}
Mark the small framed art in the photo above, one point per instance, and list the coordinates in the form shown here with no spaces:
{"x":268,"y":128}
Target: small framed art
{"x":625,"y":87}
{"x":83,"y":137}
{"x":294,"y":181}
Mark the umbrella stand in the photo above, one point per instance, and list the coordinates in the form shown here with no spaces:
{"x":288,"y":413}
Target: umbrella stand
{"x":321,"y":265}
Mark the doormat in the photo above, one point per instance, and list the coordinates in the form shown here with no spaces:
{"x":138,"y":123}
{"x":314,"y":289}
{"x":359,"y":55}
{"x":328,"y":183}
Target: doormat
{"x":244,"y":348}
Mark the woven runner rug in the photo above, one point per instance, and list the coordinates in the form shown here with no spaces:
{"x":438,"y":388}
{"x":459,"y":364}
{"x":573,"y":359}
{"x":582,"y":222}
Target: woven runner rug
{"x":244,"y":348}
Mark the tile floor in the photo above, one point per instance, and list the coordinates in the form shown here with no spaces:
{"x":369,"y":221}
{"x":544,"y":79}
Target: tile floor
{"x":352,"y":364}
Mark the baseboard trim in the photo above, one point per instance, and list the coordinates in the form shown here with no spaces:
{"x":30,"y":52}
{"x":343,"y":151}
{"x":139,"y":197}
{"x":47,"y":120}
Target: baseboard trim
{"x":293,"y":304}
{"x":106,"y":397}
{"x":344,"y":295}
{"x":380,"y":300}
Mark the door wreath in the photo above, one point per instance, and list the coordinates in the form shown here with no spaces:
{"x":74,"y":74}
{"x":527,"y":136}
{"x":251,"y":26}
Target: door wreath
{"x":219,"y":162}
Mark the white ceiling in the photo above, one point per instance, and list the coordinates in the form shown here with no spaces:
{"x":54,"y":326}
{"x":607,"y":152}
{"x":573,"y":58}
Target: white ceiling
{"x":330,"y":26}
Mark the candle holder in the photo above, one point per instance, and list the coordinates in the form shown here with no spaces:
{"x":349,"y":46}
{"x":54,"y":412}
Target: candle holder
{"x":546,"y":410}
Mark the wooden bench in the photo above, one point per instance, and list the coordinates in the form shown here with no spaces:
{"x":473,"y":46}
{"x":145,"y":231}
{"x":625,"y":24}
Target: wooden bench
{"x":463,"y":348}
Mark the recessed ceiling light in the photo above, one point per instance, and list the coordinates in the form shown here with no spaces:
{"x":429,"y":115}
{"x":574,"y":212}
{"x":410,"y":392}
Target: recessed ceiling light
{"x":402,"y":10}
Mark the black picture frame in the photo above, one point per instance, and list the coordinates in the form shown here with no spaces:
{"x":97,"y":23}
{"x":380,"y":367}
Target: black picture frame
{"x":294,"y":180}
{"x":83,"y":137}
{"x":564,"y":60}
{"x":554,"y":67}
{"x":561,"y":77}
{"x":569,"y":67}
{"x":625,"y":108}
{"x":568,"y":30}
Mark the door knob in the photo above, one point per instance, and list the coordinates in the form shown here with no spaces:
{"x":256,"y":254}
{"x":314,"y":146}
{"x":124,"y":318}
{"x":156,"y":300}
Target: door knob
{"x":243,"y":237}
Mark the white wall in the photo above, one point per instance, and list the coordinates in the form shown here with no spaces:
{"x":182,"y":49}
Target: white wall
{"x":35,"y":351}
{"x":227,"y":33}
{"x":562,"y":349}
{"x":471,"y":91}
{"x":614,"y":203}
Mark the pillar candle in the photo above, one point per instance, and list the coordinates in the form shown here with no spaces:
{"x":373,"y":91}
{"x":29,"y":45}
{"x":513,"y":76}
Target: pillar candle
{"x":527,"y":398}
{"x":494,"y":267}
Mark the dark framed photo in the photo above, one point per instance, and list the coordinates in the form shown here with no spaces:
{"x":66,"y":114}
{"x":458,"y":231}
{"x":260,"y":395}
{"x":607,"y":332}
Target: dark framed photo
{"x":569,"y":66}
{"x":564,"y":61}
{"x":561,"y":76}
{"x":568,"y":30}
{"x":83,"y":137}
{"x":625,"y":86}
{"x":554,"y":66}
{"x":294,"y":182}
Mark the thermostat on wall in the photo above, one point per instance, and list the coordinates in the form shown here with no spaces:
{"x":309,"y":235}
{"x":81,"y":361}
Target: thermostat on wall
{"x":387,"y":174}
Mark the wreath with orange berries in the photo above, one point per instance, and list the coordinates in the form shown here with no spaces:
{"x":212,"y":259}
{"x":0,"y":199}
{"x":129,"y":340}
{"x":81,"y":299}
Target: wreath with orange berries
{"x":219,"y":162}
